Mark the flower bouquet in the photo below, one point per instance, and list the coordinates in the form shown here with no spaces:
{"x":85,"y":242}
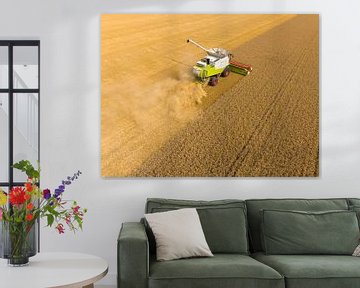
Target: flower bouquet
{"x":21,"y":208}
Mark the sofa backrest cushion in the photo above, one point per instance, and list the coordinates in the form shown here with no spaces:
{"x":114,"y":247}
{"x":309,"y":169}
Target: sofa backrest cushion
{"x":256,"y":205}
{"x":354,"y":205}
{"x":353,"y":202}
{"x":356,"y":209}
{"x":298,"y":232}
{"x":223,"y":221}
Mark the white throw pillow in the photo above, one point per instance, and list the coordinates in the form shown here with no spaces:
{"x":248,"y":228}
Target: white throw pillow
{"x":178,"y":234}
{"x":357,"y":251}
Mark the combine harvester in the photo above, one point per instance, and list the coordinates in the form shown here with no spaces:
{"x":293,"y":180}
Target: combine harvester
{"x":218,"y":62}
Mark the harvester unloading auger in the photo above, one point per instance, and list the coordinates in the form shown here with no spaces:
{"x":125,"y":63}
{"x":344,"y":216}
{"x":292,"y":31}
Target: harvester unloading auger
{"x":218,"y":62}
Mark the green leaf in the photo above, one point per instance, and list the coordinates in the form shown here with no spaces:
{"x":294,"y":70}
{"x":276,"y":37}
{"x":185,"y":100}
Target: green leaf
{"x":79,"y":221}
{"x":50,"y":219}
{"x":28,"y":168}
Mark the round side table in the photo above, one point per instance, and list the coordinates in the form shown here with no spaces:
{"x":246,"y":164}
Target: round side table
{"x":50,"y":270}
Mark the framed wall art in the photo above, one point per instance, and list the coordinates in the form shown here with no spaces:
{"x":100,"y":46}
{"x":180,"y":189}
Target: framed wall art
{"x":228,"y":95}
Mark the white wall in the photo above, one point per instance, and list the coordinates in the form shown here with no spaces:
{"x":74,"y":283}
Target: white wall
{"x":70,"y":111}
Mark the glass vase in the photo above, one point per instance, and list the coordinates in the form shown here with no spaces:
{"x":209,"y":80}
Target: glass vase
{"x":18,"y":242}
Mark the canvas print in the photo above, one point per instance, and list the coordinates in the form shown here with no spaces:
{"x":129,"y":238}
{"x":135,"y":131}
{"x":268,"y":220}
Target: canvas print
{"x":233,"y":95}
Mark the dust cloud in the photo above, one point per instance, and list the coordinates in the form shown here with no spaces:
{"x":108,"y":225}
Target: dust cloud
{"x":171,"y":99}
{"x":146,"y":116}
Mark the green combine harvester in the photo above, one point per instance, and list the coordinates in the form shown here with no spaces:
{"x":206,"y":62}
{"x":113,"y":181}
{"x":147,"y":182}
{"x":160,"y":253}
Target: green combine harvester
{"x":218,"y":62}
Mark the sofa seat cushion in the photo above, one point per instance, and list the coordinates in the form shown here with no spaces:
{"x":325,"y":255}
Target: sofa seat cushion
{"x":222,"y":270}
{"x":314,"y":271}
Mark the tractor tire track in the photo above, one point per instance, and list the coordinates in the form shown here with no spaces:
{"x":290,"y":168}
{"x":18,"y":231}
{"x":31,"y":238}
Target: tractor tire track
{"x":272,"y":142}
{"x":294,"y":163}
{"x":266,"y":116}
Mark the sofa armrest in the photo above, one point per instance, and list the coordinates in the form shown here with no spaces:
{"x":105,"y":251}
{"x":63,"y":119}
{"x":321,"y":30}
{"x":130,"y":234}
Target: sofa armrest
{"x":133,"y":256}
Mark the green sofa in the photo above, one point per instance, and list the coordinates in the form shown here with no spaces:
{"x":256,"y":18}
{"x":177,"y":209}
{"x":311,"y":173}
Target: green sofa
{"x":234,"y":232}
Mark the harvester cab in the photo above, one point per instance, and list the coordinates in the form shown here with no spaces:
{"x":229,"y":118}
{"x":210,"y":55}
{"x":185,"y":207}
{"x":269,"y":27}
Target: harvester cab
{"x":218,"y":62}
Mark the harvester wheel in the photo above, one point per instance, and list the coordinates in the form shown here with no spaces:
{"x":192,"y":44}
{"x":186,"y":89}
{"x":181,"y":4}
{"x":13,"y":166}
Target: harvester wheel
{"x":213,"y":81}
{"x":226,"y":72}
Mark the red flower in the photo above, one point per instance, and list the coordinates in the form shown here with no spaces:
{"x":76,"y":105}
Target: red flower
{"x":68,"y":219}
{"x":29,"y":206}
{"x":29,"y":187}
{"x":75,"y":209}
{"x":17,"y":196}
{"x":27,"y":196}
{"x":60,"y":228}
{"x":29,"y":217}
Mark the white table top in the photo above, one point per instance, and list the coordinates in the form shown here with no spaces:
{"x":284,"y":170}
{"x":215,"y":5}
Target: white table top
{"x":45,"y":270}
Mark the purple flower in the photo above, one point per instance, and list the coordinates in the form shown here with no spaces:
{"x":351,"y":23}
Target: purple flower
{"x":68,"y":181}
{"x":46,"y":194}
{"x":57,"y":193}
